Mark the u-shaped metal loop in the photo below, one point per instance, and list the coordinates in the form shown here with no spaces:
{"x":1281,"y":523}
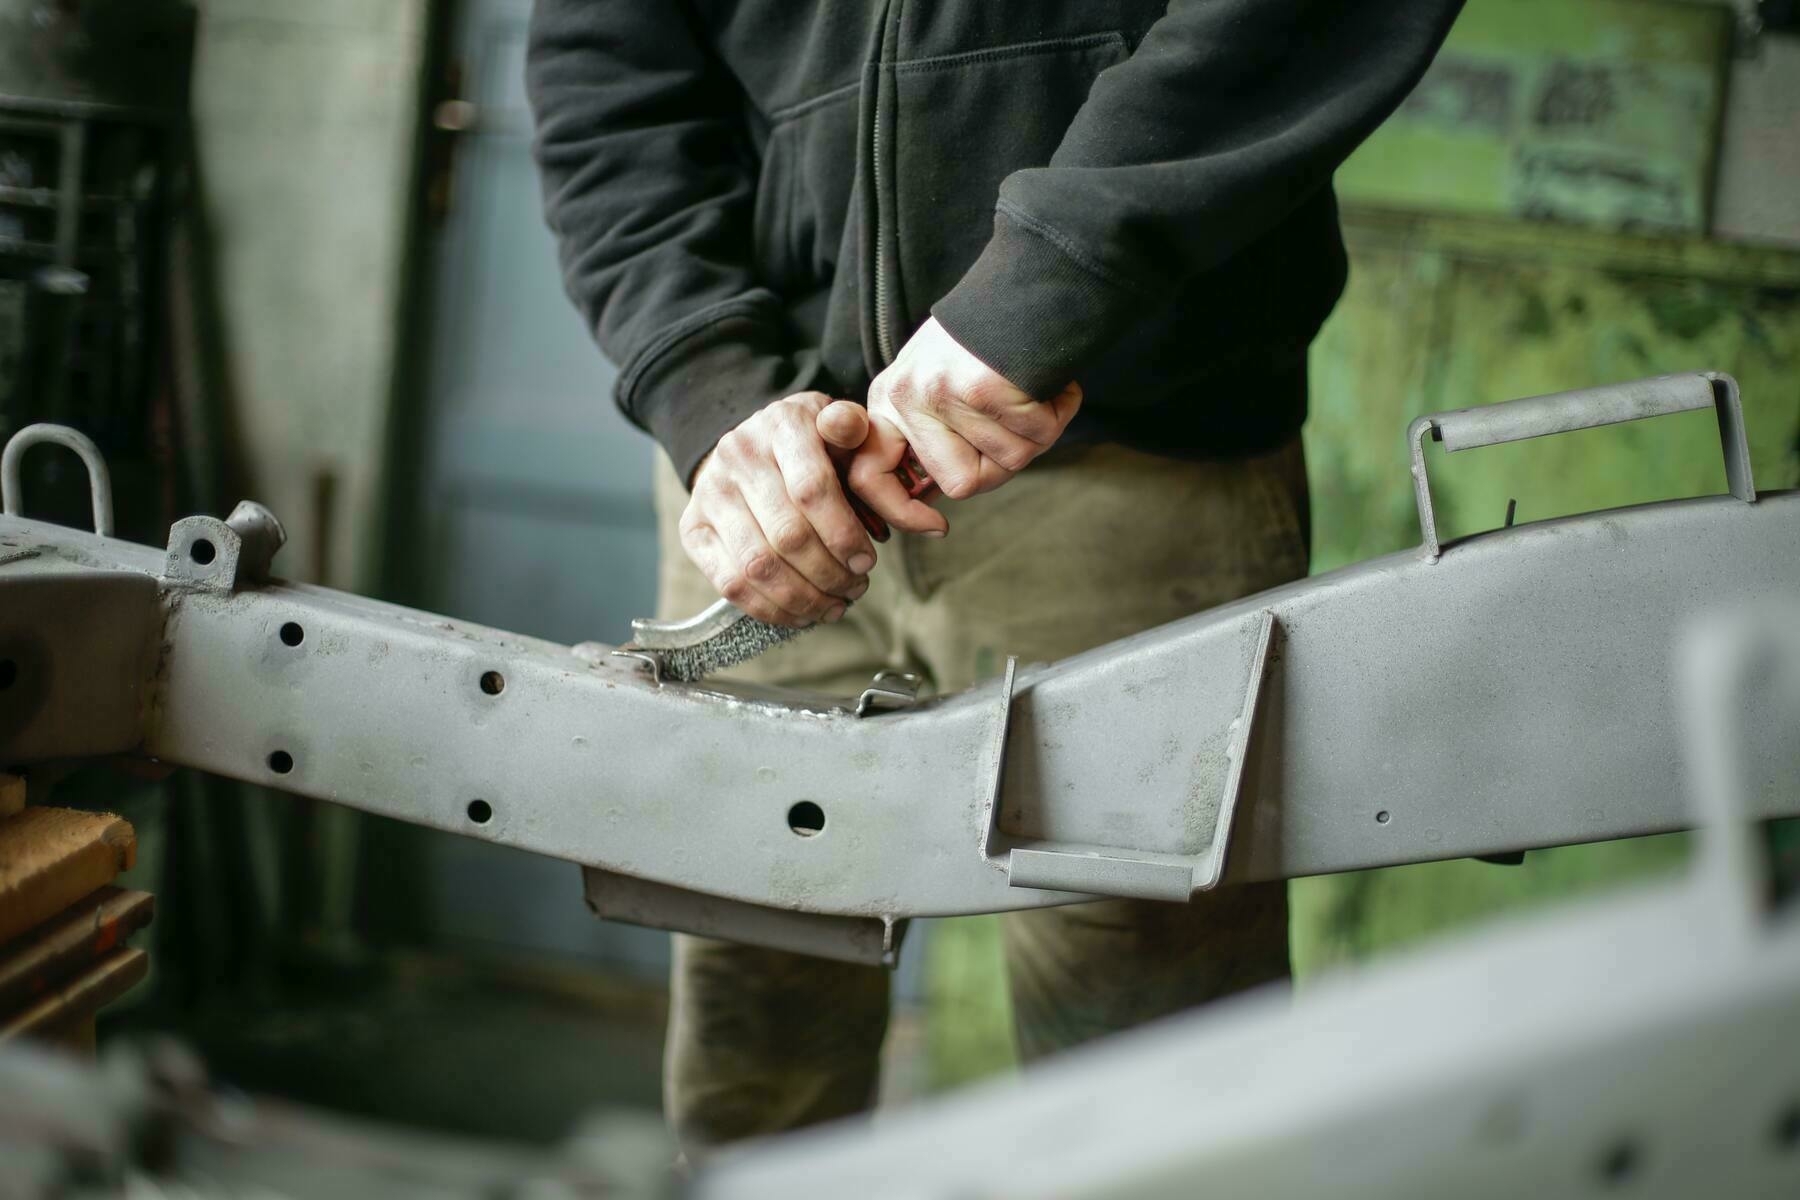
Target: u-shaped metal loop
{"x":12,"y":498}
{"x":1563,"y":412}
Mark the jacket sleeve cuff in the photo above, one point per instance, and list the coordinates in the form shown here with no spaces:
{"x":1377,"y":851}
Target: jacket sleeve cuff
{"x":698,"y":390}
{"x":1032,"y":310}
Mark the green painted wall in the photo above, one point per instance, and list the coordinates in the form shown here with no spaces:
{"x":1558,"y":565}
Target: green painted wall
{"x":1595,"y":111}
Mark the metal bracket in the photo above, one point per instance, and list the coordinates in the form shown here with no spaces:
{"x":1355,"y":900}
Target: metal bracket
{"x":203,"y":553}
{"x":1586,"y":408}
{"x":262,"y":535}
{"x":221,"y":556}
{"x":12,"y":489}
{"x":873,"y":941}
{"x":990,"y":836}
{"x":1146,"y":875}
{"x":889,"y":691}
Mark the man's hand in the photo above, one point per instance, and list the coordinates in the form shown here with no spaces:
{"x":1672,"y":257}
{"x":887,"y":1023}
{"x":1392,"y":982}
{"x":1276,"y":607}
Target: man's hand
{"x":767,"y":521}
{"x":971,"y":429}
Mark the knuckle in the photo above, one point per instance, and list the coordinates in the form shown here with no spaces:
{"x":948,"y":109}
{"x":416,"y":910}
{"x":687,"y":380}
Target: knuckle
{"x":761,"y":566}
{"x":811,"y":488}
{"x":937,"y":397}
{"x":789,"y":538}
{"x":731,"y":446}
{"x":865,"y":478}
{"x":986,"y":399}
{"x":959,"y":486}
{"x":1013,"y":458}
{"x":845,"y":542}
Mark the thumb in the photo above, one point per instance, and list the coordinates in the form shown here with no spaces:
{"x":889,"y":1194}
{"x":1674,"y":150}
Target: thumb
{"x":843,"y":424}
{"x":1066,"y":403}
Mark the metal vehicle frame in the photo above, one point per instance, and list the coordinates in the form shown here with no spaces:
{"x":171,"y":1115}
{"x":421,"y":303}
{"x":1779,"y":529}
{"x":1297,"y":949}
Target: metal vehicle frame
{"x":1504,"y":692}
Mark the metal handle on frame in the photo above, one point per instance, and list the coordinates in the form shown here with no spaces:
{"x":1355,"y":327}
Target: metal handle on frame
{"x":1585,"y":408}
{"x":12,"y":498}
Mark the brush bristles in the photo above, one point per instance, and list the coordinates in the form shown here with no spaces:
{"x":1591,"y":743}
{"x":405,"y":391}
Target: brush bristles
{"x":743,"y":641}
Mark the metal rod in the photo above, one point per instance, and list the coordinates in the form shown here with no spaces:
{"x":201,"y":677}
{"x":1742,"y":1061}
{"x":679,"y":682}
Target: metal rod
{"x":12,"y":487}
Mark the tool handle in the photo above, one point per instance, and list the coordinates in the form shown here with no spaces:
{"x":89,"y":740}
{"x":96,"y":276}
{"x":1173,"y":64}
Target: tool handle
{"x":919,"y":486}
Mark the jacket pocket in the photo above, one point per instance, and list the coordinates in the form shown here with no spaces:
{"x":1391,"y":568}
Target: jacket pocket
{"x":803,"y":192}
{"x":961,"y":124}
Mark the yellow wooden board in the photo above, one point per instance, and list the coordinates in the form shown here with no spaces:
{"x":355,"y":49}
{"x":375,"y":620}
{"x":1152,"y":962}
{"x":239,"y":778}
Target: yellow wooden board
{"x":52,"y":857}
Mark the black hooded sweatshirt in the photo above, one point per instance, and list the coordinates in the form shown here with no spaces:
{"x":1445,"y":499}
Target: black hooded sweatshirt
{"x":759,"y":197}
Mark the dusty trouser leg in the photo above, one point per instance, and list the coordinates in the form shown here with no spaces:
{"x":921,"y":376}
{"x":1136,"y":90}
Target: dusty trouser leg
{"x":1086,"y":970}
{"x":1079,"y":550}
{"x":761,"y":1041}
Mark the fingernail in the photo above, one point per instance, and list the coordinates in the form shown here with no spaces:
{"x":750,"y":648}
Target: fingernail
{"x":860,"y":563}
{"x":856,"y":592}
{"x":834,"y":614}
{"x":934,"y":533}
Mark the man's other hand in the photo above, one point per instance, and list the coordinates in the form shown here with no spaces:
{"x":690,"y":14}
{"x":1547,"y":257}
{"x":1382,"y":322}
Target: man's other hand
{"x":767,"y":521}
{"x":971,"y":429}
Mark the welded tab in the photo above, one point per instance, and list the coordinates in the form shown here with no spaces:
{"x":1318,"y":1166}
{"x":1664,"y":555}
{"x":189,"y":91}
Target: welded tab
{"x":1100,"y":875}
{"x":203,"y":553}
{"x":1211,"y":867}
{"x":1183,"y":791}
{"x":870,"y":941}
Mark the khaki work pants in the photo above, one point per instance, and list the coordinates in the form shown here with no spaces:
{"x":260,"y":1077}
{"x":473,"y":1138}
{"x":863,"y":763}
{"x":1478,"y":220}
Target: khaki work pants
{"x":1085,"y":546}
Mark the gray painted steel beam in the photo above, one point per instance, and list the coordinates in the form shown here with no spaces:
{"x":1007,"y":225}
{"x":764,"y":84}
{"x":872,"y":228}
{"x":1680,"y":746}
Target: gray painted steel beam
{"x":1515,"y":692}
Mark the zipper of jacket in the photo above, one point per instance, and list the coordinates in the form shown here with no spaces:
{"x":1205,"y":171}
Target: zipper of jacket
{"x":884,"y":332}
{"x":912,"y":569}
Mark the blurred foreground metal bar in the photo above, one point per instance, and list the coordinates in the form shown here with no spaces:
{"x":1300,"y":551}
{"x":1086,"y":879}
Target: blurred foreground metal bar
{"x":1514,"y":692}
{"x":146,"y":1124}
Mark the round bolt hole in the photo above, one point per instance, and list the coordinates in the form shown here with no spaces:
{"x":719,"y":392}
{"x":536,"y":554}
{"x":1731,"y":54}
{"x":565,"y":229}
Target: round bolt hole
{"x":1382,"y":818}
{"x":1619,"y":1163}
{"x":1787,"y":1128}
{"x":281,"y":762}
{"x":292,"y":634}
{"x":493,"y":682}
{"x":202,"y":551}
{"x":806,"y":819}
{"x":9,"y":673}
{"x":480,"y":812}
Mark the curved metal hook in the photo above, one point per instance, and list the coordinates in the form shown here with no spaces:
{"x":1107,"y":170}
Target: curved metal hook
{"x":12,"y":498}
